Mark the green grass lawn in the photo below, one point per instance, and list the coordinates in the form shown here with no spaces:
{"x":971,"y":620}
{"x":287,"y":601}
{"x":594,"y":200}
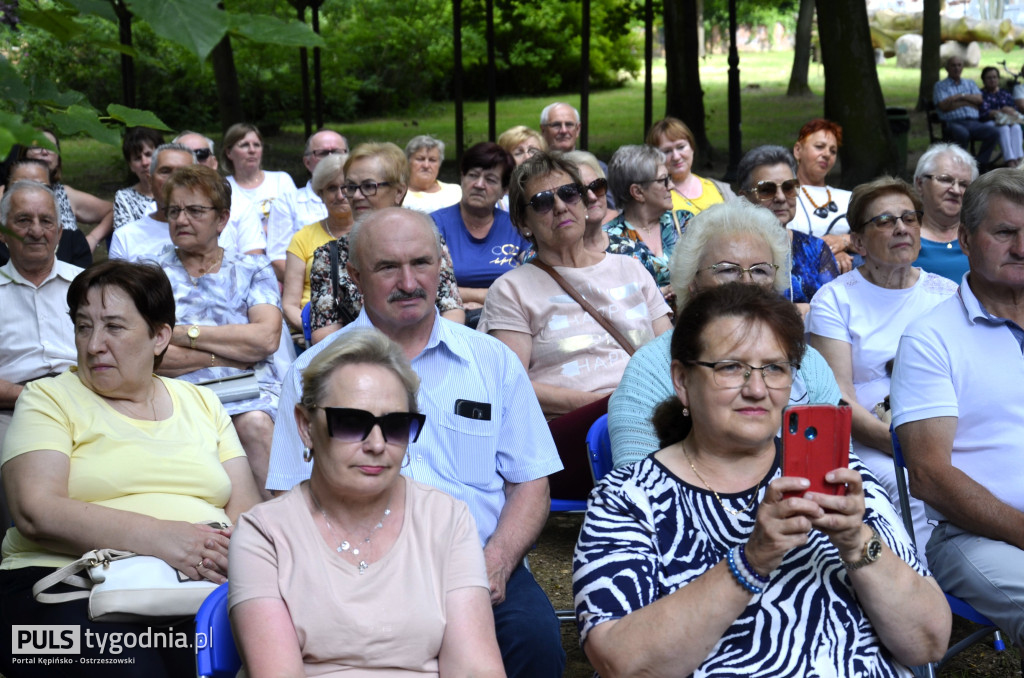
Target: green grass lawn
{"x":616,"y":118}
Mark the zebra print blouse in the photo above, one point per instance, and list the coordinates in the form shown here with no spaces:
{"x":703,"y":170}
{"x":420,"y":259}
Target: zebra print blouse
{"x":647,"y":533}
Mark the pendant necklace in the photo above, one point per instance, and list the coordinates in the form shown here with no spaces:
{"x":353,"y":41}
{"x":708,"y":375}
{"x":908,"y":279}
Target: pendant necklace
{"x":345,"y":545}
{"x":741,"y":511}
{"x":821,"y":211}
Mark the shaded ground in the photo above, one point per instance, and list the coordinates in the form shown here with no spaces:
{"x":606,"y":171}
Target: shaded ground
{"x":551,"y":563}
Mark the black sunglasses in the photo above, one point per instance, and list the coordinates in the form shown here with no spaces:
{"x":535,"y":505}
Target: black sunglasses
{"x":202,"y":154}
{"x":598,"y":187}
{"x":766,"y":190}
{"x":353,"y":426}
{"x":544,"y":202}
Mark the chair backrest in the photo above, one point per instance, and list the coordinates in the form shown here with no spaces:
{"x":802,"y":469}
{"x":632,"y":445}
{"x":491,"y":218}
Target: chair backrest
{"x":599,"y":448}
{"x":216,"y":654}
{"x":901,"y":485}
{"x":307,"y":325}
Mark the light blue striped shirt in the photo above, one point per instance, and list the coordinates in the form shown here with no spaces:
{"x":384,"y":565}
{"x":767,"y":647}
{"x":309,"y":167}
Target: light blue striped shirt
{"x":469,"y":459}
{"x":944,"y":89}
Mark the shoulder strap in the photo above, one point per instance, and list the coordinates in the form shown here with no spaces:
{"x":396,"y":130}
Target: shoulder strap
{"x":587,"y":306}
{"x":69,"y":574}
{"x":343,"y":313}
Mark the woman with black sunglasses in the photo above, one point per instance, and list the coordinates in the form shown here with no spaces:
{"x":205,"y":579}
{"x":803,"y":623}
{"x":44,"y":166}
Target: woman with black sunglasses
{"x":573,"y":357}
{"x":360,"y":568}
{"x":767,"y":177}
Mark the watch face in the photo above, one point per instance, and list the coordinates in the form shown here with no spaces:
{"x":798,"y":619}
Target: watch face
{"x":193,"y":332}
{"x":874,"y":549}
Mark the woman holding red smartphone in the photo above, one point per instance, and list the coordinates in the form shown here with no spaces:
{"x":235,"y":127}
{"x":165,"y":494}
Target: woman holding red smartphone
{"x":691,"y":562}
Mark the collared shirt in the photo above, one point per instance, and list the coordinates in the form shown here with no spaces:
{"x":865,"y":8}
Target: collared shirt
{"x":288,"y":214}
{"x":145,"y":238}
{"x":946,"y":88}
{"x":469,"y":459}
{"x":37,"y":336}
{"x":961,"y":361}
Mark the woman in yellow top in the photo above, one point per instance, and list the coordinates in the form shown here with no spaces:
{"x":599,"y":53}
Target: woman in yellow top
{"x":108,"y":455}
{"x":328,"y":181}
{"x":690,"y":192}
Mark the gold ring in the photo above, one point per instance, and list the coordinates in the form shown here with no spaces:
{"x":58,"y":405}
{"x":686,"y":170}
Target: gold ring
{"x":200,"y":564}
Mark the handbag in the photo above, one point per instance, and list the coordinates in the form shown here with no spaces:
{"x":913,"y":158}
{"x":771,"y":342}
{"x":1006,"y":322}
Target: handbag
{"x":125,"y":587}
{"x":237,"y":387}
{"x":625,"y":343}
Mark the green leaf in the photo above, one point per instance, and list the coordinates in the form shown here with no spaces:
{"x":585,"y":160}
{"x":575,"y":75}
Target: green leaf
{"x":61,"y":25}
{"x":134,"y":117}
{"x":79,"y":119}
{"x":12,"y":87}
{"x":197,"y":25}
{"x":45,"y":92}
{"x":13,"y":130}
{"x":274,"y":31}
{"x":101,"y":8}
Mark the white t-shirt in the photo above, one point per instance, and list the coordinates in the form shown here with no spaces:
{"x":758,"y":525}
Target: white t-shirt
{"x":421,"y":201}
{"x":288,"y":214}
{"x":833,"y":223}
{"x":275,"y":184}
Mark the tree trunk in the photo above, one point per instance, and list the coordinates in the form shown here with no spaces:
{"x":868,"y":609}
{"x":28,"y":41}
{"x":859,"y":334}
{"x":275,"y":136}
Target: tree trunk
{"x":124,"y":31}
{"x":684,"y":97}
{"x":798,"y":86}
{"x":930,"y":43}
{"x":229,"y":94}
{"x":853,"y":97}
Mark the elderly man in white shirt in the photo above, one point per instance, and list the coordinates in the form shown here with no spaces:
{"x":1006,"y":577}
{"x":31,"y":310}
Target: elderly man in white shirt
{"x":301,"y":207}
{"x":37,"y":337}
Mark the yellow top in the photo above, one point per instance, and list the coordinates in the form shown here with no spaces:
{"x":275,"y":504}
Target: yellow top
{"x":170,"y":469}
{"x":306,"y":241}
{"x":709,"y":196}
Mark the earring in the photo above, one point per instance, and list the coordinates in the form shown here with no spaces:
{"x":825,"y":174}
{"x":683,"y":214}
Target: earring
{"x":527,"y":233}
{"x":408,"y":460}
{"x":686,"y":412}
{"x":307,"y":454}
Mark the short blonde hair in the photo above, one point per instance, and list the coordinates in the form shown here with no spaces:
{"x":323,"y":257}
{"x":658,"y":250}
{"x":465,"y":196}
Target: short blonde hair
{"x":514,"y":136}
{"x":392,"y":160}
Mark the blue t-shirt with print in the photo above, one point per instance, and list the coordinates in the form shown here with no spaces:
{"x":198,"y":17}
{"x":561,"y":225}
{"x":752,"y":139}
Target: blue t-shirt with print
{"x":479,"y":262}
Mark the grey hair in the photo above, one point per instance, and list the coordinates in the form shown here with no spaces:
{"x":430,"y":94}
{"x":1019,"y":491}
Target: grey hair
{"x":17,"y":187}
{"x":1007,"y":183}
{"x":424,"y":141}
{"x":209,"y":141}
{"x":760,"y":157}
{"x":728,"y":220}
{"x":632,"y":164}
{"x":546,"y":113}
{"x":355,"y":234}
{"x":587,"y":158}
{"x":173,"y":146}
{"x":327,"y":169}
{"x":930,"y":158}
{"x":357,"y":347}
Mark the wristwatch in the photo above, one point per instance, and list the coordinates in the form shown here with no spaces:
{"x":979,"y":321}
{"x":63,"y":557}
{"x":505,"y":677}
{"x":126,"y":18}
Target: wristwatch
{"x":872,"y":552}
{"x":193,"y":334}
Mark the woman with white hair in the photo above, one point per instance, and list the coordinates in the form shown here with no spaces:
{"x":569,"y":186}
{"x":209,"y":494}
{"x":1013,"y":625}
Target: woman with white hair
{"x":942,"y":176}
{"x":728,"y":242}
{"x":596,"y":198}
{"x":426,"y":194}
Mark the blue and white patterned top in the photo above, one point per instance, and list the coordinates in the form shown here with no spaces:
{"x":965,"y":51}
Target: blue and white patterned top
{"x":624,"y":239}
{"x":224,"y":297}
{"x":647,"y":534}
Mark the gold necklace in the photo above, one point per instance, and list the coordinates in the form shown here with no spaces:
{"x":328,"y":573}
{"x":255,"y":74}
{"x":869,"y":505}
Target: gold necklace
{"x":202,"y":271}
{"x":746,"y":508}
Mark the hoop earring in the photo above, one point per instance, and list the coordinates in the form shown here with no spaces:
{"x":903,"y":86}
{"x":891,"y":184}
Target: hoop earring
{"x":408,"y":460}
{"x":307,"y":454}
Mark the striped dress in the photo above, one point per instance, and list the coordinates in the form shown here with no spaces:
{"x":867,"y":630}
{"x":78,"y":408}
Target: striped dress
{"x":648,"y":533}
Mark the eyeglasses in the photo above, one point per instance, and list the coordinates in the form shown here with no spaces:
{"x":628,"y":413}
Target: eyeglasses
{"x":948,"y":181}
{"x":665,"y":181}
{"x":544,"y":202}
{"x":887,"y":222}
{"x":324,"y":152}
{"x":561,"y":125}
{"x":735,"y":374}
{"x":598,"y":187}
{"x":766,"y":190}
{"x":349,"y":425}
{"x":727,"y":272}
{"x":367,"y":188}
{"x":202,"y":154}
{"x":193,"y":211}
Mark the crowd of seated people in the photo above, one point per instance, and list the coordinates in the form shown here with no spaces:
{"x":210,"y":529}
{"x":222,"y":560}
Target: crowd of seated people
{"x":389,"y":476}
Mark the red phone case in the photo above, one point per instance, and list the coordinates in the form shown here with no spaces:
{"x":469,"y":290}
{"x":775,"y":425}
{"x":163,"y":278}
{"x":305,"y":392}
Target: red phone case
{"x":815,"y":440}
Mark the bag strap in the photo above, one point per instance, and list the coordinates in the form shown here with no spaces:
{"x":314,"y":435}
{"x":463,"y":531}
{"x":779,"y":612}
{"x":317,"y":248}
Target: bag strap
{"x":346,"y":317}
{"x":587,"y":306}
{"x":69,"y":574}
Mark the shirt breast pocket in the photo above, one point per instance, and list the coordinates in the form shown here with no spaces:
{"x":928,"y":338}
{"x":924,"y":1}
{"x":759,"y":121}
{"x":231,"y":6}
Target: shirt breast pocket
{"x":468,"y":447}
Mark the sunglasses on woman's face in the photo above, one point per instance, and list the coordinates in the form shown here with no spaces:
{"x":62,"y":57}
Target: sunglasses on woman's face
{"x":598,"y":187}
{"x":349,"y":425}
{"x":544,"y":202}
{"x":766,"y":190}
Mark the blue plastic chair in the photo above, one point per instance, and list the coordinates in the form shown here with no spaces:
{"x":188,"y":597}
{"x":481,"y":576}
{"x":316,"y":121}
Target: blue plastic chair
{"x":307,"y":327}
{"x":958,"y":606}
{"x":599,"y":447}
{"x":218,"y":656}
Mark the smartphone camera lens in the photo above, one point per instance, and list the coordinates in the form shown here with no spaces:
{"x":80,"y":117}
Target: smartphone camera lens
{"x":811,"y":433}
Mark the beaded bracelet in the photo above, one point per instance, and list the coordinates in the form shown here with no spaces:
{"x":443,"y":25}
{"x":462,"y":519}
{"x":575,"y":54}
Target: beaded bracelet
{"x":763,"y":581}
{"x":744,"y":582}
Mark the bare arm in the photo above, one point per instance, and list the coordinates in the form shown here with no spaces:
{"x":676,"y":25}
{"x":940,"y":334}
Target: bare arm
{"x":9,"y":392}
{"x":928,"y":448}
{"x":662,"y":325}
{"x":92,"y":210}
{"x":469,"y":647}
{"x":279,"y":266}
{"x":247,"y":342}
{"x":473,"y":295}
{"x":178,"y":361}
{"x":553,"y":399}
{"x":322,"y":333}
{"x":291,"y":296}
{"x":866,"y":427}
{"x":520,"y":523}
{"x":266,"y":639}
{"x":244,"y":494}
{"x":456,"y":315}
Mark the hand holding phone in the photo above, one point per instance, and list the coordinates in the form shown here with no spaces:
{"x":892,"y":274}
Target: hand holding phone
{"x":816,"y":440}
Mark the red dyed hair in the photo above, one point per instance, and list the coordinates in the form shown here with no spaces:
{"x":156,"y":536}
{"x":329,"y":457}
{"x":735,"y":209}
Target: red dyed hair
{"x":819,"y":125}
